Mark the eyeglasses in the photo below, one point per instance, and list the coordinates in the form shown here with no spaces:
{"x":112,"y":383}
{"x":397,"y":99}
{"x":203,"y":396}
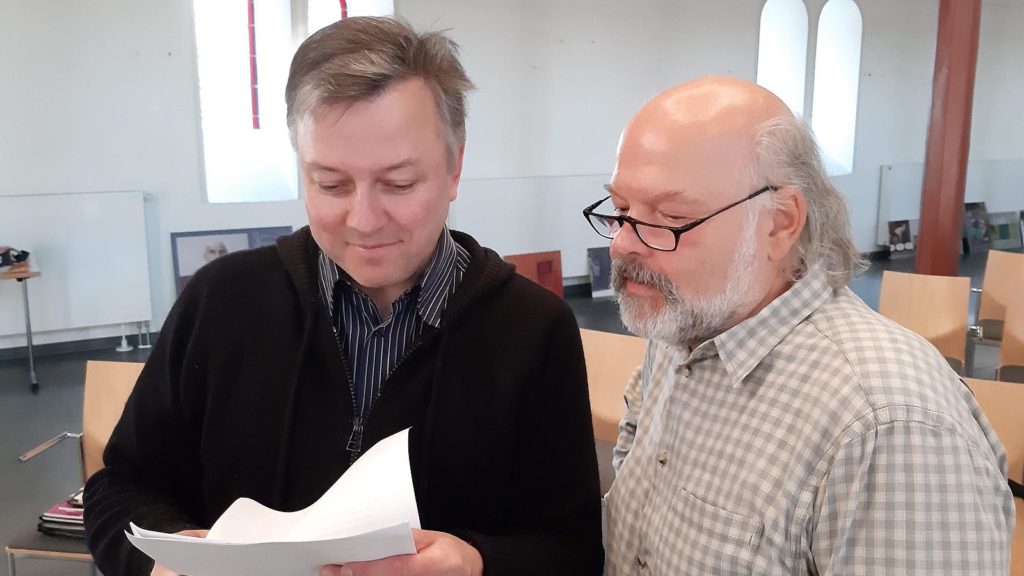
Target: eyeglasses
{"x":654,"y":236}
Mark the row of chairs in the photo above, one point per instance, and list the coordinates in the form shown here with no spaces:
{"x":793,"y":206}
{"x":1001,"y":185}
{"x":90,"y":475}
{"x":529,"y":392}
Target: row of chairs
{"x":936,"y":307}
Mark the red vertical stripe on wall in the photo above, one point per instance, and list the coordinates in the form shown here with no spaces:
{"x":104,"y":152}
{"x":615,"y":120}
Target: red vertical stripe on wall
{"x":253,"y":85}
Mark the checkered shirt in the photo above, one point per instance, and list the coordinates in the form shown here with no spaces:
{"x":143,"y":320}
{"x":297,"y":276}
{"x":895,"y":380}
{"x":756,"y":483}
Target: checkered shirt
{"x":816,"y":437}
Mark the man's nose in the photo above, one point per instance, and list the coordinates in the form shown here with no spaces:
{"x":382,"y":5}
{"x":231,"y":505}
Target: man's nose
{"x":366,"y":213}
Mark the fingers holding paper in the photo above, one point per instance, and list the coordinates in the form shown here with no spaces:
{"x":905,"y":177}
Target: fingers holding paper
{"x":437,"y":554}
{"x":159,"y":570}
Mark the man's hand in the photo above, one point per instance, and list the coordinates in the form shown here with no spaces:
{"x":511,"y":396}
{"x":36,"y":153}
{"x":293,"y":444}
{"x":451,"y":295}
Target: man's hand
{"x":159,"y":570}
{"x":437,"y":554}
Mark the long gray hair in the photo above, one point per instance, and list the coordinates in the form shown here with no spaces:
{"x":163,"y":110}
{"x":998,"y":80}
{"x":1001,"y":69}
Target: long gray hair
{"x":785,"y":154}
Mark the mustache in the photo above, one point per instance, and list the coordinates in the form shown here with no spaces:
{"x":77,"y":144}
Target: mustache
{"x":626,"y":268}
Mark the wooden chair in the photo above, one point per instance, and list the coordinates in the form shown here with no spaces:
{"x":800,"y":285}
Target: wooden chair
{"x":1003,"y":405}
{"x":934,"y":307}
{"x":1003,"y":283}
{"x":544,"y":268}
{"x":1011,"y":353}
{"x":611,"y":360}
{"x":107,"y":387}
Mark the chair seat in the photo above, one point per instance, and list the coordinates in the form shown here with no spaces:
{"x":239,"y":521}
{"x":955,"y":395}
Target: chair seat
{"x":991,"y":330}
{"x":1011,"y":373}
{"x":36,"y":544}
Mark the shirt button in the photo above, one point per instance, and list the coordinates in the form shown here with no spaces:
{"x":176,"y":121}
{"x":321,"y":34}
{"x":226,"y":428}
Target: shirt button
{"x":662,"y":458}
{"x":641,"y":561}
{"x":687,"y":371}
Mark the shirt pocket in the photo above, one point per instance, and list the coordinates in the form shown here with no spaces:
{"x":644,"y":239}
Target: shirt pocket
{"x":699,"y":538}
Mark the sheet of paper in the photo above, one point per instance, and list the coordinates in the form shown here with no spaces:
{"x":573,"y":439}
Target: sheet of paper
{"x":367,"y":514}
{"x":195,"y":557}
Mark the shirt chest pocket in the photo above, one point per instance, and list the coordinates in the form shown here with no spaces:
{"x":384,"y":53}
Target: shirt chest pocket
{"x":695,"y":537}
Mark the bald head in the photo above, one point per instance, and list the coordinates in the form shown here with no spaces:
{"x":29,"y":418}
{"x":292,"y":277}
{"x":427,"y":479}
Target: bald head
{"x":720,"y":99}
{"x":706,"y":124}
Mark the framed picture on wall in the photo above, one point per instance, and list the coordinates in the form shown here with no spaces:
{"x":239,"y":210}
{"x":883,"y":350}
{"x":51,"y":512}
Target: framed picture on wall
{"x":977,"y":227}
{"x":900,"y":236}
{"x":192,"y":250}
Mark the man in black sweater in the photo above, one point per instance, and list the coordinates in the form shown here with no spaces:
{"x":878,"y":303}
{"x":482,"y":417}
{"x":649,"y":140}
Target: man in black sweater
{"x":278,"y":367}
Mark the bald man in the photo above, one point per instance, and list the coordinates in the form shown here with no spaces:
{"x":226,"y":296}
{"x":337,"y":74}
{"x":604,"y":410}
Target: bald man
{"x":777,"y":425}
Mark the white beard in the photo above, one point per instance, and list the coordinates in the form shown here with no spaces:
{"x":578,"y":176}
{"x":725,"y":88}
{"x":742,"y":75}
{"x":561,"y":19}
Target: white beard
{"x":683,"y":320}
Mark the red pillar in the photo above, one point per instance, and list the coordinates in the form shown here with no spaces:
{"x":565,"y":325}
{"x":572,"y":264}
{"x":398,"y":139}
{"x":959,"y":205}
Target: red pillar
{"x":949,"y":138}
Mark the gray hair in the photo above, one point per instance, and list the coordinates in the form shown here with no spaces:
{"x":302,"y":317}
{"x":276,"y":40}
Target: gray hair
{"x":786,"y":154}
{"x":356,"y":59}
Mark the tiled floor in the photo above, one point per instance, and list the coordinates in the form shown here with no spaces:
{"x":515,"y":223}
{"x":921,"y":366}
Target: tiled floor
{"x":26,"y":419}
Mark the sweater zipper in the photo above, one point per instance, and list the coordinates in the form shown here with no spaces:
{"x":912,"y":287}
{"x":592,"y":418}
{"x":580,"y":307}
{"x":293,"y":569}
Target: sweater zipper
{"x":355,"y":439}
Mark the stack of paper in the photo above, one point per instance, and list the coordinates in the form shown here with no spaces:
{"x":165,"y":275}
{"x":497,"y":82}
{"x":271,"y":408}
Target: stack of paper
{"x":368,"y":514}
{"x":64,"y":518}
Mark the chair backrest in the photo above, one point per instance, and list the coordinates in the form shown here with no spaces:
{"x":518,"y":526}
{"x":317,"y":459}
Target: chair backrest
{"x":1003,"y":405}
{"x":611,"y":360}
{"x":1003,"y":281}
{"x":544,"y":268}
{"x":107,"y":387}
{"x":1011,"y":351}
{"x":933,"y":306}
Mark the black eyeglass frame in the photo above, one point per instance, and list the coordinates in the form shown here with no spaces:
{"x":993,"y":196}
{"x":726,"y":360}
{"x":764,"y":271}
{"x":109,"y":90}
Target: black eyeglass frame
{"x":677,"y":231}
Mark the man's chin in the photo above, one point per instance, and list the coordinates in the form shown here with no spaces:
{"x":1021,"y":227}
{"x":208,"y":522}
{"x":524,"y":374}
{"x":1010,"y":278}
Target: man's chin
{"x":639,"y":313}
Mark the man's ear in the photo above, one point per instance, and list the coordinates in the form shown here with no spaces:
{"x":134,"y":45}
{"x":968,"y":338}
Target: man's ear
{"x":789,"y":216}
{"x":455,"y":174}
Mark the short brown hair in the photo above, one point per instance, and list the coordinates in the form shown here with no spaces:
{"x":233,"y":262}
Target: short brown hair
{"x":358,"y":58}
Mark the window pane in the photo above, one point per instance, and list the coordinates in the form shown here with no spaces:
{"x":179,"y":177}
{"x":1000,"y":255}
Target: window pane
{"x":782,"y":51}
{"x":324,"y":12}
{"x":243,"y":164}
{"x":836,"y":81}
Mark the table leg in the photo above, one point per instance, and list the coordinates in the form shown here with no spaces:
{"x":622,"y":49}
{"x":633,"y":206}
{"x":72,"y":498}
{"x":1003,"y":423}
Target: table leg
{"x":28,"y":337}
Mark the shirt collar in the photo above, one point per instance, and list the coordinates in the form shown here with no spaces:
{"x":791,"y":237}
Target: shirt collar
{"x":743,"y":347}
{"x":435,"y":281}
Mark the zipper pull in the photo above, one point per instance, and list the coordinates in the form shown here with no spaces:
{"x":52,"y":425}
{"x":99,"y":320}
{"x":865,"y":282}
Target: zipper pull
{"x":355,"y":441}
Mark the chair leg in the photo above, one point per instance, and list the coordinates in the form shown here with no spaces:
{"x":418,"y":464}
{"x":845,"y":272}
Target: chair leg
{"x":10,"y":564}
{"x":968,"y":369}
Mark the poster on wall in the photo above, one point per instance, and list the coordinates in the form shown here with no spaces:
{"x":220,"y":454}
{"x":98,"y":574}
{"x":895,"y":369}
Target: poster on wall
{"x":977,"y":227}
{"x":1006,"y":232}
{"x":901,"y":237}
{"x":192,"y":250}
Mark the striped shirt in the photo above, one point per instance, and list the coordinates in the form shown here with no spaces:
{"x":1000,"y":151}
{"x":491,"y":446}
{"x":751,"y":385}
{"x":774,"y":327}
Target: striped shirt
{"x":816,"y":437}
{"x":375,"y":346}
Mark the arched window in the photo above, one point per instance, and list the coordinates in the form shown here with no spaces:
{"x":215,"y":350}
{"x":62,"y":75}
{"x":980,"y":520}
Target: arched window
{"x":782,"y":51}
{"x":836,"y":82}
{"x":244,"y":49}
{"x":320,"y":13}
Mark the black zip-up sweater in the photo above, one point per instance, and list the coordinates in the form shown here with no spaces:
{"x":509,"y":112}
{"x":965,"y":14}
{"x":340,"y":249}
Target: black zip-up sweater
{"x":246,"y":394}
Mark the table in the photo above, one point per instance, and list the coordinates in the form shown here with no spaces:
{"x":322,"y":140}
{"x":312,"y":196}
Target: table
{"x":22,"y":278}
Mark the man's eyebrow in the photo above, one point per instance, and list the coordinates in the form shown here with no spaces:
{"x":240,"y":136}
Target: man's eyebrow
{"x":400,"y":164}
{"x":656,"y":197}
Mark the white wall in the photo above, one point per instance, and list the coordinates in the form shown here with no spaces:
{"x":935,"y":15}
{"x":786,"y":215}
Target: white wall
{"x":101,"y":96}
{"x":556,"y":83}
{"x":998,"y":122}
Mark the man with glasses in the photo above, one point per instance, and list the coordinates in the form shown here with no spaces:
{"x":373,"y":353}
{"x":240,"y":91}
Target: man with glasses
{"x":777,"y":424}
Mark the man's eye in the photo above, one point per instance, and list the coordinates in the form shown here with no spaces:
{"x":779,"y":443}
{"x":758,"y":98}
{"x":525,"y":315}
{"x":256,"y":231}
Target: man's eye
{"x":676,"y":220}
{"x":401,"y":186}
